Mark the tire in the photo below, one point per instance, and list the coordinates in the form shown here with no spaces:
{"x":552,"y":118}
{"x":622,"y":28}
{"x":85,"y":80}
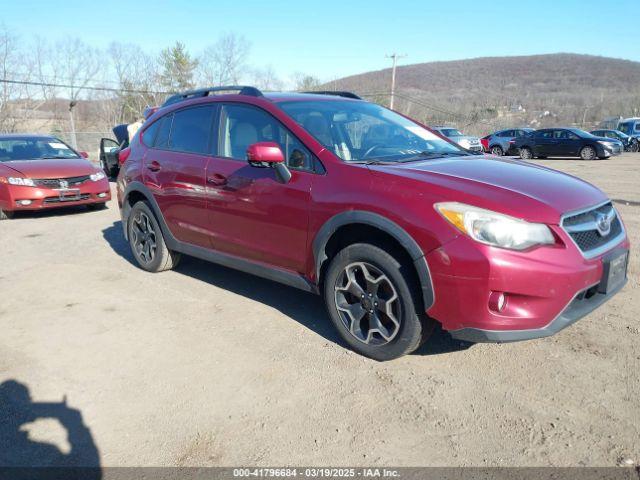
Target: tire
{"x":526,"y":153}
{"x":97,"y":206}
{"x":634,"y":147}
{"x":497,"y":151}
{"x":147,"y":242}
{"x":588,"y":153}
{"x":5,"y":215}
{"x":391,"y":299}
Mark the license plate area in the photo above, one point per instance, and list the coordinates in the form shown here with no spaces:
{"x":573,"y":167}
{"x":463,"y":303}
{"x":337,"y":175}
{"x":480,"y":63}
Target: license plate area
{"x":69,"y":194}
{"x":614,"y":271}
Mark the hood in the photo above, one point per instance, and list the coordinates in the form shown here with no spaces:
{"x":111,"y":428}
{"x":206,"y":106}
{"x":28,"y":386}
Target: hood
{"x":52,"y":168}
{"x":516,"y":188}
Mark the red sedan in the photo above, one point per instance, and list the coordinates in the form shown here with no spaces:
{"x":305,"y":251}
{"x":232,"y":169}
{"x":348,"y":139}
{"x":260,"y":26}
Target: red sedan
{"x":38,"y":172}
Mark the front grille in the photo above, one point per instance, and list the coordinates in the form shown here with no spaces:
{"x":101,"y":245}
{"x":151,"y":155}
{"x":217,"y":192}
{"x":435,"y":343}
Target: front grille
{"x":84,"y":196}
{"x":55,"y":182}
{"x":583,"y":228}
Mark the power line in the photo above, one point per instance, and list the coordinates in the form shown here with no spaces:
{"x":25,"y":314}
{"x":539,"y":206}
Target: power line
{"x":78,"y":87}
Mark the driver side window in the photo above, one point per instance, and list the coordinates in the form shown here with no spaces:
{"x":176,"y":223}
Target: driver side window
{"x":242,"y":126}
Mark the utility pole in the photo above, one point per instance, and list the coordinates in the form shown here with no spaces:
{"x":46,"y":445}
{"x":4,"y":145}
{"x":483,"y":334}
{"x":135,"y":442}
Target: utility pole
{"x":394,"y":57}
{"x":74,"y":140}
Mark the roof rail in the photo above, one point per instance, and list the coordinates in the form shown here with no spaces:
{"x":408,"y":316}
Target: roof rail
{"x":204,"y":92}
{"x":337,"y":94}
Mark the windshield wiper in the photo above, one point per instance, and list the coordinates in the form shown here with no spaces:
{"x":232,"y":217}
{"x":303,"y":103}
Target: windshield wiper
{"x":54,"y":157}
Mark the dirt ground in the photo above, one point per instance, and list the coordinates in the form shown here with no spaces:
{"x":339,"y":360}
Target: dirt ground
{"x":208,"y":366}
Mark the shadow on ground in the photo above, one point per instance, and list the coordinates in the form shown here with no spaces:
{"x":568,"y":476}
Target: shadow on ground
{"x":305,"y":308}
{"x":19,"y":453}
{"x":52,"y":212}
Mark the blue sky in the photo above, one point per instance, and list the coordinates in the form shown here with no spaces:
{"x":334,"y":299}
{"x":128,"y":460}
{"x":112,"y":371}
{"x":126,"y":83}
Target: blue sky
{"x":334,"y":38}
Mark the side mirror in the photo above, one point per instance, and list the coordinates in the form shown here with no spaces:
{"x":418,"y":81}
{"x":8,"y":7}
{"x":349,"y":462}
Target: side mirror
{"x":269,"y":154}
{"x":265,"y":152}
{"x":84,"y":154}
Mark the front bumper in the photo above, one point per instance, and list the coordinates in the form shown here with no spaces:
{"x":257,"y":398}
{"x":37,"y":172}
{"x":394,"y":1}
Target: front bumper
{"x":38,"y":198}
{"x":546,"y":289}
{"x":583,"y":303}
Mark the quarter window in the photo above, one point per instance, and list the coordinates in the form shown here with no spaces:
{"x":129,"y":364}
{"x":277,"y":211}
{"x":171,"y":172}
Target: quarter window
{"x":164,"y":131}
{"x":149,"y":134}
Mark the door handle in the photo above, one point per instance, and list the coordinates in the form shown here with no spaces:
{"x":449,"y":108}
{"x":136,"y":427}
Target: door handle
{"x":217,"y":179}
{"x":154,"y":166}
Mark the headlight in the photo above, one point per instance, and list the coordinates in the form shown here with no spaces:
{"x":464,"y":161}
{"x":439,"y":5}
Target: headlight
{"x":607,"y":145}
{"x":464,"y":143}
{"x":25,"y":182}
{"x":493,"y":228}
{"x":97,"y":176}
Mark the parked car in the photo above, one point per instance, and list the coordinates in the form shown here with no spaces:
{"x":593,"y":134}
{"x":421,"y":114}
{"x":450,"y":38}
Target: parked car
{"x":465,"y":141}
{"x":39,"y":172}
{"x":567,"y":142}
{"x":631,"y":127}
{"x":396,"y":227}
{"x":503,"y":142}
{"x":630,"y":144}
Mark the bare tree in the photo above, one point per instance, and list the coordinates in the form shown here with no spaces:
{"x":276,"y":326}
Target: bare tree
{"x":266,"y":79}
{"x":306,"y":83}
{"x":135,"y":70}
{"x":10,"y":94}
{"x":224,"y":62}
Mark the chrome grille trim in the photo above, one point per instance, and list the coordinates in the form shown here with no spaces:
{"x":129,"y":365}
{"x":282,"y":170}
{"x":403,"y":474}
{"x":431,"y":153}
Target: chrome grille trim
{"x":585,"y":225}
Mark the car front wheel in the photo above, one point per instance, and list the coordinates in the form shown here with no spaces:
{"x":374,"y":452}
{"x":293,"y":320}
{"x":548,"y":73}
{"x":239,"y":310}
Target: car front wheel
{"x":147,"y":242}
{"x":371,"y":300}
{"x":588,"y":153}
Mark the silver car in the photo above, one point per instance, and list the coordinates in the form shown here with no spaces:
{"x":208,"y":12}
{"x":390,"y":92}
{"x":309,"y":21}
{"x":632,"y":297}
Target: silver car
{"x":465,"y":141}
{"x":502,"y":142}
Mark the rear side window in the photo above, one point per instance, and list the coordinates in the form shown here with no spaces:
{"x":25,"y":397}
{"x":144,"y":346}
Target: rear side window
{"x":637,"y":127}
{"x":191,"y":130}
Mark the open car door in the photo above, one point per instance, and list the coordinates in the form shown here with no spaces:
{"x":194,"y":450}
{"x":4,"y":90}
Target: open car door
{"x":109,"y":149}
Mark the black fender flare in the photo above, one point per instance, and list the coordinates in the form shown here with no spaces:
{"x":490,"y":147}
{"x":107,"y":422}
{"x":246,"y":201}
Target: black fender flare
{"x":141,"y":188}
{"x":386,"y":225}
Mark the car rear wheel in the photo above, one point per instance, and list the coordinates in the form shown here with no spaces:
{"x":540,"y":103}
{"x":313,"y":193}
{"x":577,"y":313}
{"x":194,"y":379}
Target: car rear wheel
{"x":147,"y":242}
{"x":371,"y":300}
{"x":526,"y":153}
{"x":497,"y":150}
{"x":588,"y":153}
{"x":5,"y":215}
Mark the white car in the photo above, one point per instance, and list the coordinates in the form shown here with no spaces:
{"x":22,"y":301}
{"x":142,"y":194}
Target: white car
{"x":465,"y":141}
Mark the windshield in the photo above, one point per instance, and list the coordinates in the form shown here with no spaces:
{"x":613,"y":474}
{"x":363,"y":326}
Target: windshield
{"x":624,"y":136}
{"x":451,"y":132}
{"x":362,"y":132}
{"x":24,"y":148}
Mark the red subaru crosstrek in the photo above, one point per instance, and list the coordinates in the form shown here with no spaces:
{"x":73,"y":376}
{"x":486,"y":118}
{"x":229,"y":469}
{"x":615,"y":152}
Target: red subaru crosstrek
{"x":396,"y":227}
{"x":39,"y":172}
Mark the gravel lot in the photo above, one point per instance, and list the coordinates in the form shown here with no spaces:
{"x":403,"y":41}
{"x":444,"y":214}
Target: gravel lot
{"x":208,"y":366}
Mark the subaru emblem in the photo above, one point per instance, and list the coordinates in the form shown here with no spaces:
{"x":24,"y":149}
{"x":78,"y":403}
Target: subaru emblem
{"x":603,"y":224}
